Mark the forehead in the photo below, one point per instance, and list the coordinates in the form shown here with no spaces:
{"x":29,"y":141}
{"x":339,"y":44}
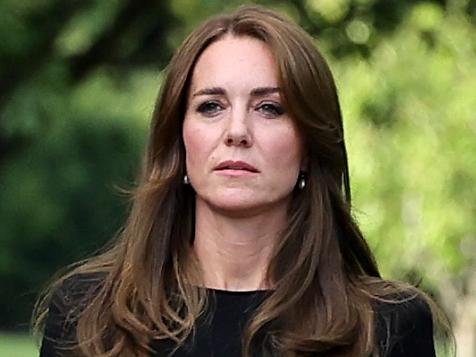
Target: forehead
{"x":238,"y":61}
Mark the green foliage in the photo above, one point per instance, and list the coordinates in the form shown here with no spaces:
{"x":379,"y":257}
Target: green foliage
{"x":59,"y":194}
{"x":412,"y":135}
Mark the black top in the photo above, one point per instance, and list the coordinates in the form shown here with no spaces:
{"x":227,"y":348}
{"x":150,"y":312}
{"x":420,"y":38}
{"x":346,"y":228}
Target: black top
{"x":403,"y":329}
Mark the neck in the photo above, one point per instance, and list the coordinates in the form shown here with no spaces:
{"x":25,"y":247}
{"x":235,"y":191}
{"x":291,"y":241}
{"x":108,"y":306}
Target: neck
{"x":234,"y":253}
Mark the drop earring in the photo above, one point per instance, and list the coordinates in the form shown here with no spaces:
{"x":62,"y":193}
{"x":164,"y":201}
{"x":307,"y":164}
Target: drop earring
{"x":302,"y":180}
{"x":186,"y":180}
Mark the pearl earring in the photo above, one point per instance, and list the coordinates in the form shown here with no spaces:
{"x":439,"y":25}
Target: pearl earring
{"x":302,"y":181}
{"x":186,"y":181}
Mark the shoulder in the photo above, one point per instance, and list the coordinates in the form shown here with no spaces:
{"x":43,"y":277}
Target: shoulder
{"x":68,"y":299}
{"x":75,"y":291}
{"x":404,"y":326}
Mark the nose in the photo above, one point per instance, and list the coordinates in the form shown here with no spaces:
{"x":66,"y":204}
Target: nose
{"x":238,"y":130}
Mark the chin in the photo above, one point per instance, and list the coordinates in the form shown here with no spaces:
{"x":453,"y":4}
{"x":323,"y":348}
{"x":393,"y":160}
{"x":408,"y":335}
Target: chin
{"x":242,"y":204}
{"x":235,"y":203}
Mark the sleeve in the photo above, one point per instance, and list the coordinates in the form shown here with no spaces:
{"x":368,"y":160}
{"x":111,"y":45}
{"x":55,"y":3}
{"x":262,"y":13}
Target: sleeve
{"x":406,"y":329}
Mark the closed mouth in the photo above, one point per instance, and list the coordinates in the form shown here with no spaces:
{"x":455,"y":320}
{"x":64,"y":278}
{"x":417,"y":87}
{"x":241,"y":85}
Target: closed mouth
{"x":236,"y":165}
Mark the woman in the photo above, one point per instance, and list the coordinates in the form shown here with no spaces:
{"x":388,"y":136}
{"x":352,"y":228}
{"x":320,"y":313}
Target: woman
{"x":240,"y":240}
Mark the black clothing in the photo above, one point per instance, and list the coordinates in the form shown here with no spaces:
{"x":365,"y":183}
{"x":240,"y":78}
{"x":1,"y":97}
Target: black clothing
{"x":403,"y":329}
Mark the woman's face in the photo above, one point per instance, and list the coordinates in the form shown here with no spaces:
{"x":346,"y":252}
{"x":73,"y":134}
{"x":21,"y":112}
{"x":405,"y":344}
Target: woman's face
{"x":243,"y":151}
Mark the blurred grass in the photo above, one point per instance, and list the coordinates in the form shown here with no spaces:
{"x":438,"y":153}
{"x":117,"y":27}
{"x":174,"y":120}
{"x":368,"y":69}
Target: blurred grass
{"x":17,"y":345}
{"x":22,"y":345}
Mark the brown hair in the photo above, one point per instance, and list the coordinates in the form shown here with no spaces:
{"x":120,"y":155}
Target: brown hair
{"x":324,"y":274}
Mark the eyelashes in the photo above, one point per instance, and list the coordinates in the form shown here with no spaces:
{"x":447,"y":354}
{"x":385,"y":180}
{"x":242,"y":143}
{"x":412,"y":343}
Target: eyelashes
{"x":269,"y":109}
{"x":210,"y":108}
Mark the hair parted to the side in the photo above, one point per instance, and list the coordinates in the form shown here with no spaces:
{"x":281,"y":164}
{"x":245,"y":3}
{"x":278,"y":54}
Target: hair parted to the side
{"x":323,"y":273}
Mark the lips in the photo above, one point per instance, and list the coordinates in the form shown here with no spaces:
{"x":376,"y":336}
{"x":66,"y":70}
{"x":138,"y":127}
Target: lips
{"x":236,"y":165}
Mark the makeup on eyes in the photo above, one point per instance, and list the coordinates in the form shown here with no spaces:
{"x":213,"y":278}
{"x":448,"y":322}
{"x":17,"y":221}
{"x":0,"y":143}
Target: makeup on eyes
{"x":210,"y":107}
{"x":269,"y":109}
{"x":260,"y":95}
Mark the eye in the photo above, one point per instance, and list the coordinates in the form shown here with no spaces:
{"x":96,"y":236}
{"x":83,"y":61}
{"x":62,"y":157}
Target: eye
{"x":271,"y":109}
{"x":209,"y":108}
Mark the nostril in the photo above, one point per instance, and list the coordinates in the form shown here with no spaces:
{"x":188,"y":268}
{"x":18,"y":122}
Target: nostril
{"x":241,"y":140}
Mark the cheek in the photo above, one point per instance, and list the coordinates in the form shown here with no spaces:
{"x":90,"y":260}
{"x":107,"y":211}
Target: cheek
{"x":285,"y":150}
{"x":191,"y":147}
{"x":198,"y":145}
{"x":190,"y":141}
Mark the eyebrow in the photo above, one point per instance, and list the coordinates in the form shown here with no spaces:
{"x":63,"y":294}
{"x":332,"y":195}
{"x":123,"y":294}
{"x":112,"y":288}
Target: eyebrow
{"x":255,"y":92}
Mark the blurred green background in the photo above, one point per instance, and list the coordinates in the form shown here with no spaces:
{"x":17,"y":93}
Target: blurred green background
{"x":78,"y":80}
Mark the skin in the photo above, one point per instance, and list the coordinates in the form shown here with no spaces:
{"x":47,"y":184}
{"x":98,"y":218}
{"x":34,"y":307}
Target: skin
{"x":235,"y":112}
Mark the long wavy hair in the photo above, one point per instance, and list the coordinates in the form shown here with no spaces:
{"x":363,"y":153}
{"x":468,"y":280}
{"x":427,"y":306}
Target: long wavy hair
{"x":325,"y":278}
